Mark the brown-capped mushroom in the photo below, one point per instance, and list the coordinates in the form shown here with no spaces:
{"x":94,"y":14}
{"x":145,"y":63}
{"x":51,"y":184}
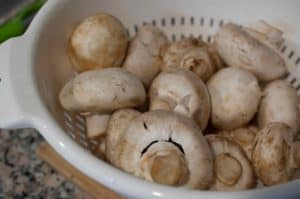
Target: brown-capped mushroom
{"x":235,"y":96}
{"x":102,"y":91}
{"x":183,"y":92}
{"x":143,"y":58}
{"x":100,"y":41}
{"x":279,"y":104}
{"x":243,"y":136}
{"x":191,"y":54}
{"x":275,"y":156}
{"x":232,"y":168}
{"x":117,"y":126}
{"x":240,"y":49}
{"x":167,"y":148}
{"x":96,"y":124}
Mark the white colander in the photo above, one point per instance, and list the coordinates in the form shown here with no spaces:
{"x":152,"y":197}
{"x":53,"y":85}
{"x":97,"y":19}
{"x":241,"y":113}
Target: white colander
{"x":34,"y":68}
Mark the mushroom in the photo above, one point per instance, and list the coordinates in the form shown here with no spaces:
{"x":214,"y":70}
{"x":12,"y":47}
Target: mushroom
{"x":267,"y":34}
{"x":102,"y":91}
{"x":167,"y":148}
{"x":143,"y":58}
{"x":99,"y":41}
{"x":96,"y":125}
{"x":191,"y":54}
{"x":244,"y":136}
{"x":279,"y":104}
{"x":232,"y":168}
{"x":240,"y":49}
{"x":235,"y":96}
{"x":275,"y":156}
{"x":183,"y":92}
{"x":117,"y":126}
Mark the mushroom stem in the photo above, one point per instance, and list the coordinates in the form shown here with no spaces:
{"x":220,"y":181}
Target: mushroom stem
{"x":96,"y":124}
{"x":183,"y":106}
{"x":228,"y":169}
{"x":164,"y":163}
{"x":162,"y":104}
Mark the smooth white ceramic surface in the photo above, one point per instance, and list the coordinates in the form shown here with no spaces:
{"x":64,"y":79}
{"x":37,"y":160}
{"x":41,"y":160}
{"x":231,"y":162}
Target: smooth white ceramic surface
{"x":34,"y":67}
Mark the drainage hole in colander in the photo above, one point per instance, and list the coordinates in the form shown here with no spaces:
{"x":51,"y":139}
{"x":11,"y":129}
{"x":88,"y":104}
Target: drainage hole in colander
{"x":291,"y":54}
{"x":182,"y":21}
{"x":293,"y":80}
{"x":172,"y":21}
{"x":153,"y":22}
{"x":202,"y":21}
{"x":163,"y":22}
{"x":283,"y":49}
{"x":192,"y":20}
{"x":136,"y":28}
{"x":211,"y":23}
{"x":297,"y":61}
{"x":221,"y":23}
{"x":173,"y":37}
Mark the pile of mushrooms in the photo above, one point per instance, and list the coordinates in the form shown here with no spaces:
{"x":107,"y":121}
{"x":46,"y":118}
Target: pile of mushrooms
{"x":149,"y":102}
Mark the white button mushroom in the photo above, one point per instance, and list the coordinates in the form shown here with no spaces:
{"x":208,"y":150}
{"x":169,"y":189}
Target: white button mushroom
{"x":96,"y":124}
{"x":232,"y":168}
{"x":167,"y":148}
{"x":117,"y":126}
{"x":279,"y":104}
{"x":235,"y":96}
{"x":143,"y":58}
{"x":100,"y":41}
{"x":275,"y":157}
{"x":191,"y":54}
{"x":102,"y":91}
{"x":267,"y":34}
{"x":243,"y":136}
{"x":240,"y":49}
{"x":183,"y":92}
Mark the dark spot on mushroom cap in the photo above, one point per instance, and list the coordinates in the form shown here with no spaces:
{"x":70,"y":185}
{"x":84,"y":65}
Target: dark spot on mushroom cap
{"x":176,"y":144}
{"x":157,"y":141}
{"x":147,"y":147}
{"x":145,"y":125}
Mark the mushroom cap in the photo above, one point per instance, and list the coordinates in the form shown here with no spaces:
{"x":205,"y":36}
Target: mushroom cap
{"x":279,"y":104}
{"x":267,"y":34}
{"x":270,"y":156}
{"x":99,"y":41}
{"x":118,"y":123}
{"x":102,"y":91}
{"x":190,"y":54}
{"x":159,"y":139}
{"x":214,"y":55}
{"x":232,"y":168}
{"x":96,"y":125}
{"x":235,"y":96}
{"x":244,"y":136}
{"x":183,"y":92}
{"x":239,"y":49}
{"x":143,"y":57}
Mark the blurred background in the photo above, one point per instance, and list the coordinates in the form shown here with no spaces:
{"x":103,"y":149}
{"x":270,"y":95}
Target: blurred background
{"x":22,"y":173}
{"x":16,"y":15}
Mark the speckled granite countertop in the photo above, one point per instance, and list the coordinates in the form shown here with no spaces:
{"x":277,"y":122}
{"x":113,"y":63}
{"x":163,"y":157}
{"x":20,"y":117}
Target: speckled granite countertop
{"x":24,"y":175}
